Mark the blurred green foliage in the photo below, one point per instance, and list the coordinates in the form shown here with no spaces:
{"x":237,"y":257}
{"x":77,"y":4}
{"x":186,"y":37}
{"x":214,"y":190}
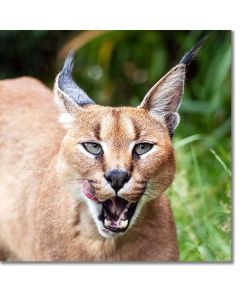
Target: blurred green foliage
{"x":30,"y":52}
{"x":118,"y":68}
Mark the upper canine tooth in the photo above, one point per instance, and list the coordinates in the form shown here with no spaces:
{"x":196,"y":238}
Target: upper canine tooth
{"x":107,"y":222}
{"x":124,"y":223}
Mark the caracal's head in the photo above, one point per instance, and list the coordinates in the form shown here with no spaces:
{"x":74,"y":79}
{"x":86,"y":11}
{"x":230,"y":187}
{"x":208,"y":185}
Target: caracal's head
{"x":118,"y":159}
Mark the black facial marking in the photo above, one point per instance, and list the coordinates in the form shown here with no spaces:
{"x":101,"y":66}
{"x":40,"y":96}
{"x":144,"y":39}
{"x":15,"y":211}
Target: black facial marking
{"x":135,"y":156}
{"x":131,"y":167}
{"x":97,"y":131}
{"x":137,"y":131}
{"x":99,"y":157}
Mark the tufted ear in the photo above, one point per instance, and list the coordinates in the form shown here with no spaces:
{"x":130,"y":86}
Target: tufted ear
{"x":68,"y":96}
{"x":164,"y":98}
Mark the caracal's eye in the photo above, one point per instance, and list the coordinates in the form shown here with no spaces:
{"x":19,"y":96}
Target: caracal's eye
{"x":93,"y":148}
{"x":142,"y":148}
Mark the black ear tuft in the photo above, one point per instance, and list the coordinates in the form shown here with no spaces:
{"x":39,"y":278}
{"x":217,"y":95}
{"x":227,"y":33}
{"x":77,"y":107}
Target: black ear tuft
{"x":67,"y":67}
{"x":189,"y":56}
{"x":69,"y":87}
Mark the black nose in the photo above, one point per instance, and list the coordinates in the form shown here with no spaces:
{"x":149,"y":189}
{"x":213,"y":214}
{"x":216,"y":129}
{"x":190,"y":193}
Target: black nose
{"x":117,"y":179}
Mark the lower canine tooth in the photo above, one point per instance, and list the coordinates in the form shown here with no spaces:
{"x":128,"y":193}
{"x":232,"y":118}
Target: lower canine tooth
{"x":107,"y":222}
{"x":123,"y":223}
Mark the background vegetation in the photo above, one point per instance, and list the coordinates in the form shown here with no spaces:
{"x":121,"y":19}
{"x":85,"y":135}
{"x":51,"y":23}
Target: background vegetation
{"x":118,"y":68}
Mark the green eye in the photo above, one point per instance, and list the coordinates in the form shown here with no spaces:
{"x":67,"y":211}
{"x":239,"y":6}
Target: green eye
{"x":142,"y":148}
{"x":93,"y":148}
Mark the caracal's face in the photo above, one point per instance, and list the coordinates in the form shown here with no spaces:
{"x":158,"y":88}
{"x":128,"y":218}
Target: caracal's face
{"x":116,"y":160}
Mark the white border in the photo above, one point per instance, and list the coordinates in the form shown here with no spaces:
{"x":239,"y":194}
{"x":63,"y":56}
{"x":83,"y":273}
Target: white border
{"x":130,"y":281}
{"x":124,"y":14}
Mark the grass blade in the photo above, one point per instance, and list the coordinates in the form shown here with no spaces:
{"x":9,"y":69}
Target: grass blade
{"x":222,"y":163}
{"x":187,"y":140}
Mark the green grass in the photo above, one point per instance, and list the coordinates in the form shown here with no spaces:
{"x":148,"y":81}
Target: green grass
{"x":201,"y":202}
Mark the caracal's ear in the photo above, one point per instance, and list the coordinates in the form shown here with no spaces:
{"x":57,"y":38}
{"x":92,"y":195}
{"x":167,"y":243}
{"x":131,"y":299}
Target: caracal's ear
{"x":164,"y":98}
{"x":68,"y":96}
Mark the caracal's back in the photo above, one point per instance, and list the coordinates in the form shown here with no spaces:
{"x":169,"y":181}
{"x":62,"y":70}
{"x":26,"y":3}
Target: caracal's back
{"x":29,"y":137}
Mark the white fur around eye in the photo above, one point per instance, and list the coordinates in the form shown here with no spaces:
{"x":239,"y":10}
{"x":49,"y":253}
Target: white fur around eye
{"x":104,"y":146}
{"x":152,"y":150}
{"x":81,"y":148}
{"x":133,"y":144}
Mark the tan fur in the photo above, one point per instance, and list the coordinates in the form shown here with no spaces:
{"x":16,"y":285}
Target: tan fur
{"x":42,"y":217}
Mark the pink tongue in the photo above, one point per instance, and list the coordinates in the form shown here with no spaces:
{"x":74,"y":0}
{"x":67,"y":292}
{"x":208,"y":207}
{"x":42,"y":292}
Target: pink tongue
{"x":88,"y":190}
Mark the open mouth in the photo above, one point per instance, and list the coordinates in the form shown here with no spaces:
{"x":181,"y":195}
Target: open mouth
{"x":116,"y":214}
